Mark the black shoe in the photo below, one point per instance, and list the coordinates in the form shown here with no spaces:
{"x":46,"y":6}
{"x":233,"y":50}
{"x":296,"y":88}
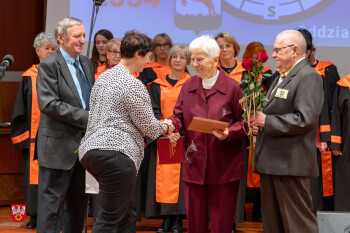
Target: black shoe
{"x":32,"y":223}
{"x":256,"y":213}
{"x":234,"y":228}
{"x":177,"y":226}
{"x":166,"y":225}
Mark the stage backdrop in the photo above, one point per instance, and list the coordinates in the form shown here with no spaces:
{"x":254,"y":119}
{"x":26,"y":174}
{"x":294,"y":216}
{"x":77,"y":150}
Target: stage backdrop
{"x":247,"y":20}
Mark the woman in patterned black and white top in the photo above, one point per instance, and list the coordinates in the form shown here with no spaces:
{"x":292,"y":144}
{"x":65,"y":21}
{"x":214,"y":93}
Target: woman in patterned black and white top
{"x":112,"y":149}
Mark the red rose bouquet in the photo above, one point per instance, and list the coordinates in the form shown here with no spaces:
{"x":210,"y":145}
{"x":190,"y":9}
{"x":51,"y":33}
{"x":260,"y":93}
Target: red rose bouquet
{"x":253,"y":97}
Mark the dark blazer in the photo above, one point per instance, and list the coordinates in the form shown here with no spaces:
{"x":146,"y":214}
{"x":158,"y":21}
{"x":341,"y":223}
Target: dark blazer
{"x":287,"y":143}
{"x":62,"y":118}
{"x":207,"y":160}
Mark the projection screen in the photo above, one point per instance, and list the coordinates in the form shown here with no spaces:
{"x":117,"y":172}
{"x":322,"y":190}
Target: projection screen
{"x":247,"y":20}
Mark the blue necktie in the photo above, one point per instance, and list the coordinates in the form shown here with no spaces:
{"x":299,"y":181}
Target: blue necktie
{"x":84,"y":85}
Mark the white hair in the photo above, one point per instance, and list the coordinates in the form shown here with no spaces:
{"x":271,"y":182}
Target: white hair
{"x":64,"y":24}
{"x":294,"y":37}
{"x":207,"y":44}
{"x":44,"y":38}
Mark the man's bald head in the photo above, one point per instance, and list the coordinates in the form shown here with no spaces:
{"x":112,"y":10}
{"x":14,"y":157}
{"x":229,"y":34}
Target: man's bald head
{"x":289,"y":47}
{"x":294,"y":37}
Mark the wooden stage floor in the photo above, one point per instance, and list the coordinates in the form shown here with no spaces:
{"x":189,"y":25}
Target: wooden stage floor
{"x":147,"y":225}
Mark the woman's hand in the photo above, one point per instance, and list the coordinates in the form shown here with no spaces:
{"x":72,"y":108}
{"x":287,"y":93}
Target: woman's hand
{"x":322,"y":146}
{"x":336,"y":152}
{"x":170,"y":127}
{"x":174,"y":137}
{"x":221,"y":134}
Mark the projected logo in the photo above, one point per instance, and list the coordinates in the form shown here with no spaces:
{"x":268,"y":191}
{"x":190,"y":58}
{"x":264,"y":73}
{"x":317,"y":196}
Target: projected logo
{"x":201,"y":15}
{"x":274,"y":11}
{"x":197,"y":15}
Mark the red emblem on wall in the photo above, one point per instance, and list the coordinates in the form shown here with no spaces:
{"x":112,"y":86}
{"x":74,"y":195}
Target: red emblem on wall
{"x":18,"y":212}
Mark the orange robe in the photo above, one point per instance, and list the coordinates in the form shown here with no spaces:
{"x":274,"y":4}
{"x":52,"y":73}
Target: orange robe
{"x":237,"y":72}
{"x":168,"y":175}
{"x":17,"y":136}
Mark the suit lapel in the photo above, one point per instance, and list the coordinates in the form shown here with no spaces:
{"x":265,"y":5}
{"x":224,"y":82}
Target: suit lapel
{"x":68,"y":77}
{"x":269,"y":94}
{"x":284,"y":83}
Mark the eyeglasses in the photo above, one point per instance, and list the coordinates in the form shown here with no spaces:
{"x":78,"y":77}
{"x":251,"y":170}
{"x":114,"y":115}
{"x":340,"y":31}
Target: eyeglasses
{"x":114,"y":52}
{"x":175,"y":57}
{"x":165,"y":45}
{"x":227,"y":46}
{"x":277,"y":50}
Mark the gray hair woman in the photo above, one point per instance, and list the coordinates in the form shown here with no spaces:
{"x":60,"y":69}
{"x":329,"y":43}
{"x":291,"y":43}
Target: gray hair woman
{"x":45,"y":44}
{"x":213,"y":163}
{"x":119,"y":118}
{"x":25,"y":117}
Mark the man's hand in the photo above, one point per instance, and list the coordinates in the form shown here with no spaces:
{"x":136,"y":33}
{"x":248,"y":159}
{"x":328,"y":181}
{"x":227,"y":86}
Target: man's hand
{"x":255,"y":130}
{"x":221,"y":134}
{"x":258,"y":120}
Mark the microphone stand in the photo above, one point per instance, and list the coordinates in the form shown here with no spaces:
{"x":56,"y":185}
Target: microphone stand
{"x":95,"y":8}
{"x":2,"y":74}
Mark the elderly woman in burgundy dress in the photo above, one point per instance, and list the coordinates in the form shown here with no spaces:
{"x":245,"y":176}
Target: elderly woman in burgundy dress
{"x":213,"y":163}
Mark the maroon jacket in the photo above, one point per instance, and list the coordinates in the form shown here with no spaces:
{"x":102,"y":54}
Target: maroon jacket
{"x":207,"y":160}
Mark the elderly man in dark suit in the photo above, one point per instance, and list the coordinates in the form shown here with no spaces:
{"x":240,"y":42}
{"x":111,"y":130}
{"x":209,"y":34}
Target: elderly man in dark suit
{"x":285,"y":147}
{"x":64,"y":84}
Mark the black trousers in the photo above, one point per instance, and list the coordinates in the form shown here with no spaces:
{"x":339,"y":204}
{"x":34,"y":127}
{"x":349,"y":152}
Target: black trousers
{"x":30,"y":190}
{"x":116,"y":175}
{"x":62,"y":200}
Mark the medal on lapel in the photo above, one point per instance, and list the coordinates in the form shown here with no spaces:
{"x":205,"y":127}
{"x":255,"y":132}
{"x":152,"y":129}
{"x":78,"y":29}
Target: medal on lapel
{"x":281,"y":93}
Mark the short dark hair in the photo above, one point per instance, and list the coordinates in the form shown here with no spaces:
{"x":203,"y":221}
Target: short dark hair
{"x":308,"y":38}
{"x":133,"y":42}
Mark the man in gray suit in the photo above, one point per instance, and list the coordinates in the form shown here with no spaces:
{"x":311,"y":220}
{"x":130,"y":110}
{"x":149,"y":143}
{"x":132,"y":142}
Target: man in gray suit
{"x":64,"y":84}
{"x":285,"y":153}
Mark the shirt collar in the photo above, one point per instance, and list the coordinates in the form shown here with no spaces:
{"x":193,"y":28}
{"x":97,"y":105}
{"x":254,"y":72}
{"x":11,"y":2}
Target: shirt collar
{"x":69,"y":59}
{"x":296,"y":63}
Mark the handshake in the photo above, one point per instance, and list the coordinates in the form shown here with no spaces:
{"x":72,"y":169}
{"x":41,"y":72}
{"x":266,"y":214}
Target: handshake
{"x":173,"y":137}
{"x":170,"y":127}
